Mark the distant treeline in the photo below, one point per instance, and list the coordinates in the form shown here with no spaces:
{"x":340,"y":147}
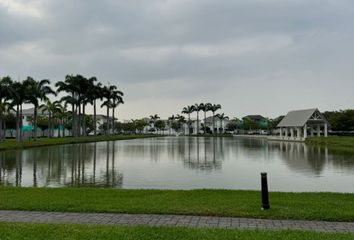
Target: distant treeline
{"x":342,"y":120}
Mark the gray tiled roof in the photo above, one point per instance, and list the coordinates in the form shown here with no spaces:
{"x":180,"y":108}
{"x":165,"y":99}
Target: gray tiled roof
{"x":297,"y":118}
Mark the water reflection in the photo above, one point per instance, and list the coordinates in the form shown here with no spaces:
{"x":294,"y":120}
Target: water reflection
{"x":179,"y":162}
{"x":66,"y":165}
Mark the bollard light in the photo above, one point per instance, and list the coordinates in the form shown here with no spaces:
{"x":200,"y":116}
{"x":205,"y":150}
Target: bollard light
{"x":265,"y":194}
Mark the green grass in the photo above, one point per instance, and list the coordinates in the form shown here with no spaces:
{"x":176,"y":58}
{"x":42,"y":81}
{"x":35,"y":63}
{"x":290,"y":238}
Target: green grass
{"x":345,"y":144}
{"x":13,"y":231}
{"x":12,"y":144}
{"x":309,"y":206}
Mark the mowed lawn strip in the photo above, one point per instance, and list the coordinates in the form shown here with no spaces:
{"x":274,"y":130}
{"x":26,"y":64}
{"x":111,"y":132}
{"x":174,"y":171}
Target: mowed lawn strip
{"x":342,"y":144}
{"x":14,"y":231}
{"x":301,"y":206}
{"x":12,"y":144}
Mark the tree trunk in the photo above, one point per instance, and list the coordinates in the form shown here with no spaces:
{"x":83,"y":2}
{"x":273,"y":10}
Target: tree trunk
{"x":213,"y":122}
{"x":197,"y":122}
{"x":62,"y":123}
{"x":49,"y":134}
{"x":73,"y":120}
{"x":21,"y":123}
{"x":113,"y":109}
{"x":94,"y":118}
{"x":1,"y":129}
{"x":79,"y":120}
{"x":18,"y":123}
{"x":189,"y":124}
{"x":4,"y":136}
{"x":107,"y":127}
{"x":34,"y":131}
{"x":83,"y":119}
{"x":204,"y":122}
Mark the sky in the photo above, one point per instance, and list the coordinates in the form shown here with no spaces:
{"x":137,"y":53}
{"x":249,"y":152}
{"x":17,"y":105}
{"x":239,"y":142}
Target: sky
{"x":253,"y":57}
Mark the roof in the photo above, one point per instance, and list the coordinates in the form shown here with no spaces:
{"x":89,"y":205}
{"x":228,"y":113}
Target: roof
{"x":299,"y":118}
{"x":255,"y":117}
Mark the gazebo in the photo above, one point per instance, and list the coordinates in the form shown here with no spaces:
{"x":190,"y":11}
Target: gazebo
{"x":304,"y":122}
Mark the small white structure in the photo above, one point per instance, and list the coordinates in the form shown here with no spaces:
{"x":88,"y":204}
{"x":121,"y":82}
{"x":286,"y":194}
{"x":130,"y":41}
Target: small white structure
{"x":298,"y":125}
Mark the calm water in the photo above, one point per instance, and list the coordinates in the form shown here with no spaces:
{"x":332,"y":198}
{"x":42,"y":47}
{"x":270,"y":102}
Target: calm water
{"x":181,"y":163}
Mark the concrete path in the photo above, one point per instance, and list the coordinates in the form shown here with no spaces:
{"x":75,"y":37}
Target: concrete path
{"x":172,"y":220}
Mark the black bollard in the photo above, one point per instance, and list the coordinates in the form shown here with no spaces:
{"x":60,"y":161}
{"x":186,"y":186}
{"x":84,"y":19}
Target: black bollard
{"x":265,"y":194}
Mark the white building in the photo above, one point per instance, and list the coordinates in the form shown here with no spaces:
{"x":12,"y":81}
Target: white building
{"x":298,"y":125}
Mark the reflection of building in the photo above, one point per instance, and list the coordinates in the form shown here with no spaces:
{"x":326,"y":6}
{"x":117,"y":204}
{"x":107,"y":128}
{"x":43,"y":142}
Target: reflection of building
{"x":298,"y":125}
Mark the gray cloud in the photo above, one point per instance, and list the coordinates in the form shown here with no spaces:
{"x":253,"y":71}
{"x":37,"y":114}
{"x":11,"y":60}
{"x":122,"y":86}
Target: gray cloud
{"x":259,"y":56}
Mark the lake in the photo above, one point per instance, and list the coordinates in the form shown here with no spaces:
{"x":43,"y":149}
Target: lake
{"x":181,"y":163}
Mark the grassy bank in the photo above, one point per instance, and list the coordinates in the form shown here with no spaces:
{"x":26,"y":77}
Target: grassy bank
{"x":309,"y":206}
{"x":14,"y":231}
{"x":12,"y":144}
{"x":334,"y":142}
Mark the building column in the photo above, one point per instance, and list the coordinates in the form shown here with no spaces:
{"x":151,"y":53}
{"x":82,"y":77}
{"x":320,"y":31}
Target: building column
{"x":318,"y":130}
{"x":298,"y":132}
{"x":325,"y":130}
{"x":281,"y":132}
{"x":292,"y":132}
{"x":286,"y":132}
{"x":305,"y":131}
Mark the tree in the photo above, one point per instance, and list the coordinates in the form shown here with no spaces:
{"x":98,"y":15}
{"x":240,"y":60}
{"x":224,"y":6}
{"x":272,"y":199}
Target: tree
{"x":205,"y":107}
{"x":36,"y":91}
{"x":51,"y":108}
{"x":170,"y":121}
{"x":197,"y":107}
{"x":18,"y":98}
{"x":222,"y":117}
{"x":117,"y":99}
{"x":6,"y":92}
{"x":160,"y":125}
{"x":213,"y":109}
{"x":188,"y":110}
{"x":153,"y":119}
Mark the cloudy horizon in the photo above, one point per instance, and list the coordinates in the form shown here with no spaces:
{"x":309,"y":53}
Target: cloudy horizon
{"x":253,"y":57}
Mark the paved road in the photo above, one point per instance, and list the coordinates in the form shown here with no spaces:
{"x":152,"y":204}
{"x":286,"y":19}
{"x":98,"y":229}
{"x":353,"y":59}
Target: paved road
{"x":172,"y":220}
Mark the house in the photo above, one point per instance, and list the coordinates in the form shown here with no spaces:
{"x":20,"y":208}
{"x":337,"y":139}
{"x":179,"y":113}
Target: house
{"x":298,"y":125}
{"x":219,"y":124}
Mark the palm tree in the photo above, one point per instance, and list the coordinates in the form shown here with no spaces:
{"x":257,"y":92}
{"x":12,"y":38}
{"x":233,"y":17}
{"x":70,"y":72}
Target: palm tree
{"x":61,"y":114}
{"x":94,"y":93}
{"x":117,"y":99}
{"x":205,"y":107}
{"x":222,"y":117}
{"x":69,"y":85}
{"x":197,"y":108}
{"x":36,"y":91}
{"x":188,"y":110}
{"x":5,"y":93}
{"x":170,"y":121}
{"x":106,"y":93}
{"x":153,"y":119}
{"x":18,"y":98}
{"x":51,"y":108}
{"x":213,"y":109}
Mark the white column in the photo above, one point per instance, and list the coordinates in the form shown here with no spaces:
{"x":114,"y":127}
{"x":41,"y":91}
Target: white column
{"x":325,"y":130}
{"x":292,"y":132}
{"x":318,"y":130}
{"x":281,"y":132}
{"x":305,"y":131}
{"x":286,"y":132}
{"x":311,"y":131}
{"x":298,"y":132}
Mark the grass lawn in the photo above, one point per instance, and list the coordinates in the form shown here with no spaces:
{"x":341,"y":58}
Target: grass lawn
{"x":58,"y":231}
{"x":12,"y":144}
{"x":334,"y":142}
{"x":309,"y":206}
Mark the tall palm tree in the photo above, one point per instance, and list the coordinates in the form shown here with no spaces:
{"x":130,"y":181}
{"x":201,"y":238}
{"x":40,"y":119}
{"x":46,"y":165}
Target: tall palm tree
{"x":188,"y":110}
{"x":205,"y":107}
{"x":51,"y":108}
{"x":198,"y":108}
{"x":69,"y":85}
{"x":106,"y":93}
{"x":213,"y":109}
{"x":5,"y":94}
{"x":18,"y":98}
{"x":36,"y":91}
{"x":153,"y":119}
{"x":61,"y":114}
{"x":94,"y":93}
{"x":222,"y":117}
{"x":170,"y":121}
{"x":117,"y":99}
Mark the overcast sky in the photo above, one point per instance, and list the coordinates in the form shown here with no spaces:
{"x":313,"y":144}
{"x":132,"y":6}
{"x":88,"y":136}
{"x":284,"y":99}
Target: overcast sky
{"x":253,"y":57}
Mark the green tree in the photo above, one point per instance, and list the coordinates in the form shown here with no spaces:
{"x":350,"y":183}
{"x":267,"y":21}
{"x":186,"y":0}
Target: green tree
{"x":188,"y":110}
